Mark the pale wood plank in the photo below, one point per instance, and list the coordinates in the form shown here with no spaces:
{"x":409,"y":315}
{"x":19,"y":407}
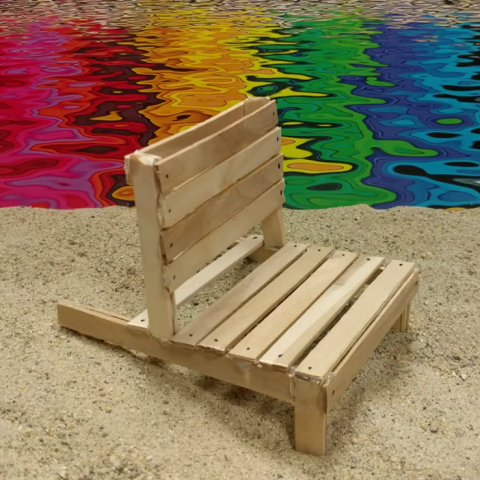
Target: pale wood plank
{"x":170,"y":145}
{"x":322,"y":360}
{"x":175,"y":143}
{"x":209,"y":274}
{"x":230,"y":331}
{"x":254,"y":103}
{"x":116,"y":331}
{"x":192,"y":228}
{"x":197,"y":133}
{"x":190,"y":195}
{"x":375,"y":275}
{"x":352,"y":363}
{"x":241,"y":293}
{"x":160,"y":302}
{"x":403,"y":321}
{"x":271,"y":328}
{"x":262,"y":254}
{"x":217,"y":268}
{"x":127,"y":168}
{"x":140,"y":320}
{"x":190,"y":261}
{"x":198,"y":157}
{"x":273,"y":228}
{"x":310,"y":417}
{"x":323,"y":311}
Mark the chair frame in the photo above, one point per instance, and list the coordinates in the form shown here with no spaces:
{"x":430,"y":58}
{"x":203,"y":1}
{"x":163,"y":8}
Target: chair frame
{"x":152,"y":331}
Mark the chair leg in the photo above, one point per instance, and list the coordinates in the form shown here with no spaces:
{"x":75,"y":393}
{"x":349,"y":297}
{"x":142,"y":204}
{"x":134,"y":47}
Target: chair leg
{"x":403,"y":321}
{"x":310,"y":417}
{"x":273,"y":229}
{"x":274,"y":236}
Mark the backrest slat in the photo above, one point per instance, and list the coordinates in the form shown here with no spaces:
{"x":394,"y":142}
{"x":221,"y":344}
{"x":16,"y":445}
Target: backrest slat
{"x":189,"y":196}
{"x":195,"y":159}
{"x":173,"y":144}
{"x":218,"y":240}
{"x":220,"y":208}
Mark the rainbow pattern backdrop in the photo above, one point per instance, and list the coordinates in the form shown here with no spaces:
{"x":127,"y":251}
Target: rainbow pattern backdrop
{"x":379,"y":103}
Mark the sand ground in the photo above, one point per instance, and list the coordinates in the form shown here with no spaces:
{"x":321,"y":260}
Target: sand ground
{"x":74,"y":408}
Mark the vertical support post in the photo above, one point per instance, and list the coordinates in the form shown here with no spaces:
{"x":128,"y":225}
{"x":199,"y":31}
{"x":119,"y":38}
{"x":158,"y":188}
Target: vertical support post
{"x":403,"y":321}
{"x":160,"y":302}
{"x":273,"y":227}
{"x":310,"y":417}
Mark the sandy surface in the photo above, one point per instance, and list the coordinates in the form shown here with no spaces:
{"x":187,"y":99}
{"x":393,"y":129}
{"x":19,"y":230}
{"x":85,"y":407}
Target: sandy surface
{"x":75,"y":408}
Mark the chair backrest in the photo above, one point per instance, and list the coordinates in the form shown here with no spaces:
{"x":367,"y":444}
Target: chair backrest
{"x":197,"y":192}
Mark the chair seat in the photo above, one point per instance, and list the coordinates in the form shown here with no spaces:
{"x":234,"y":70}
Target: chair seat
{"x":276,"y":315}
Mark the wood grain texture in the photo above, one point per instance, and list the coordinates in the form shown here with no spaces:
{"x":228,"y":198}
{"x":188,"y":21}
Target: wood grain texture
{"x":198,"y":190}
{"x":264,"y":335}
{"x":116,"y":331}
{"x":352,"y":363}
{"x":190,"y":261}
{"x":310,"y":417}
{"x":403,"y":321}
{"x":230,"y":331}
{"x":322,"y":360}
{"x":209,"y":274}
{"x":195,"y":226}
{"x":273,"y":228}
{"x":160,"y":302}
{"x":319,"y":316}
{"x":214,"y":149}
{"x":240,"y":294}
{"x":175,"y":143}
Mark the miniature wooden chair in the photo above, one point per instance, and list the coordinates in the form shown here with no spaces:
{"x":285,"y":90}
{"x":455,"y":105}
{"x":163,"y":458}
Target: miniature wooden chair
{"x":300,"y":326}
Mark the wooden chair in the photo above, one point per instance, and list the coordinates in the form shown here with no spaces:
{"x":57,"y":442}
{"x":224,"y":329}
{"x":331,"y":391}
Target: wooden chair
{"x":300,"y":326}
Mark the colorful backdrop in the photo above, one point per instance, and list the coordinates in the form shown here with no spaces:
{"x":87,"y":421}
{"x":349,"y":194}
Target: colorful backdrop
{"x":379,"y":104}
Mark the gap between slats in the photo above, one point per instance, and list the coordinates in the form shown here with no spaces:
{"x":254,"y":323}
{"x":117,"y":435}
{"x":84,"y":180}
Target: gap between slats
{"x":234,"y":299}
{"x":276,"y":323}
{"x":230,"y":331}
{"x":187,"y":264}
{"x":318,"y":317}
{"x":331,"y":349}
{"x":198,"y":157}
{"x":206,"y":218}
{"x":356,"y":357}
{"x":200,"y":131}
{"x":198,"y":190}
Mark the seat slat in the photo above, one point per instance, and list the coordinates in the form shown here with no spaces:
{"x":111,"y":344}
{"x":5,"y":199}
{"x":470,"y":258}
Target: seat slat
{"x":272,"y":327}
{"x":329,"y":352}
{"x":317,"y":318}
{"x":353,"y":362}
{"x":228,"y":333}
{"x":188,"y":263}
{"x":217,"y":313}
{"x":217,"y":210}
